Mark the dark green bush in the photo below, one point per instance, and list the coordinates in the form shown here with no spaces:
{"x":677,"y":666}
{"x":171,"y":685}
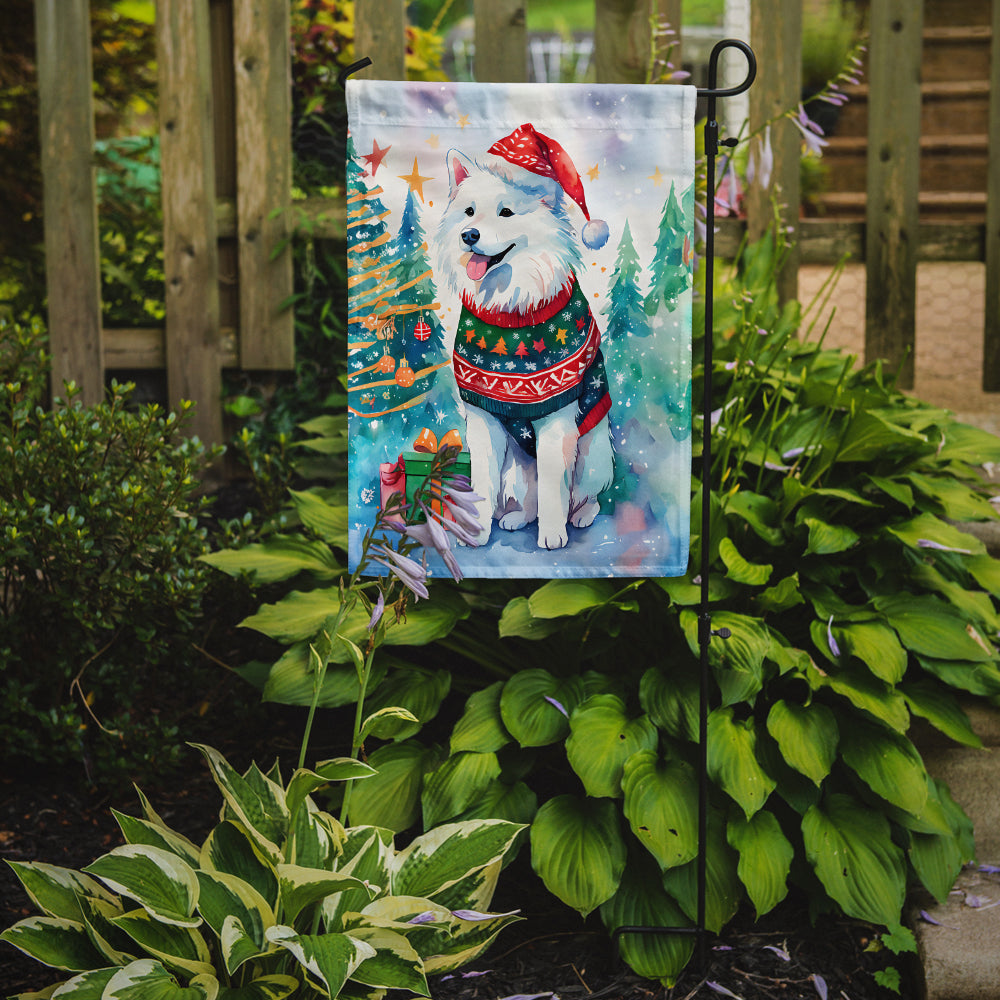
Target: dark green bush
{"x":100,"y":587}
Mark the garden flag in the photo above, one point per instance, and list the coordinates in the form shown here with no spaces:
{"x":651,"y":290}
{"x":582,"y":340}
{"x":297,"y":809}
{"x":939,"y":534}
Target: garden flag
{"x":519,"y":272}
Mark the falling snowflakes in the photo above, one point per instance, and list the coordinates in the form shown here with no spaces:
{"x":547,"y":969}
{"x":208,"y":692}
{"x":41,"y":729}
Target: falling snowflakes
{"x":367,"y":495}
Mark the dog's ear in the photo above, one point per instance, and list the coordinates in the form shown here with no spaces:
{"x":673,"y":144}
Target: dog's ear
{"x":459,"y":167}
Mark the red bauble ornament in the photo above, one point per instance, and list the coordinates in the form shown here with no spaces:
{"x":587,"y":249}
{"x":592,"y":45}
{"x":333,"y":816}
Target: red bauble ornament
{"x":404,"y":374}
{"x":422,"y":331}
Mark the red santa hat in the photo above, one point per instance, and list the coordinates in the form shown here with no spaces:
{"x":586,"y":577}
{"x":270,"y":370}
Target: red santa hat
{"x":525,"y":147}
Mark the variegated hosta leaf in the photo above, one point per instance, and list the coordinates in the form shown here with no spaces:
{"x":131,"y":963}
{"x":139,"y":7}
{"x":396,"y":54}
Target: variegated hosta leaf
{"x":723,"y":889}
{"x":467,"y":940}
{"x":391,"y":799}
{"x":87,"y":986}
{"x":417,"y":690}
{"x":535,"y":706}
{"x":54,"y":941}
{"x":301,"y":887}
{"x":578,"y":851}
{"x":642,"y":902}
{"x":395,"y":964}
{"x":476,"y":890}
{"x":481,"y":727}
{"x":56,"y":891}
{"x":315,"y":838}
{"x":661,"y":799}
{"x":158,"y":880}
{"x":116,"y":947}
{"x":456,"y":784}
{"x":141,"y":831}
{"x":304,"y":782}
{"x":256,"y":801}
{"x":602,"y":737}
{"x":850,"y":847}
{"x":225,"y":897}
{"x":230,"y":849}
{"x":441,"y":857}
{"x":147,"y":979}
{"x":765,"y":858}
{"x":177,"y":947}
{"x":329,"y":959}
{"x":274,"y":987}
{"x":732,"y":760}
{"x":807,"y":736}
{"x":367,"y":854}
{"x":888,"y":763}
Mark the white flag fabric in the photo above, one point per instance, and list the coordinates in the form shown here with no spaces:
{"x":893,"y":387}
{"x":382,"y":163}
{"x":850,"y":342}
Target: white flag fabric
{"x":519,"y":269}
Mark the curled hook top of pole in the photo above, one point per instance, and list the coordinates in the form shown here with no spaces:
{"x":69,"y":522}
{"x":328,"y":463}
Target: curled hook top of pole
{"x":713,"y":69}
{"x":353,"y":68}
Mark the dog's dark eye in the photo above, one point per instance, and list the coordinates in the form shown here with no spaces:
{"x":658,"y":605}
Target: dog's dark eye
{"x":470,"y":211}
{"x":505,"y":213}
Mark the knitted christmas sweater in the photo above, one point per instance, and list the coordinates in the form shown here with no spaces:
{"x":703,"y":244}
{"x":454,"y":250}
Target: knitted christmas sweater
{"x":522,"y":366}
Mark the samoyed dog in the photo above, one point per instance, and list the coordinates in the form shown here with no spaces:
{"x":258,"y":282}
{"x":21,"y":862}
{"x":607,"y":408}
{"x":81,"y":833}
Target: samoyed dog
{"x":526,"y":354}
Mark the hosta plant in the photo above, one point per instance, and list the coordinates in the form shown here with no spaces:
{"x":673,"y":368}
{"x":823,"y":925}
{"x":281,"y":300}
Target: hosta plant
{"x":279,"y":900}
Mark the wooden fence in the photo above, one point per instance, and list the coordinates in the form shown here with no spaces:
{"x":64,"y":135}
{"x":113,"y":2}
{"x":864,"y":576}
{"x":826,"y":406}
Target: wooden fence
{"x":226,"y":161}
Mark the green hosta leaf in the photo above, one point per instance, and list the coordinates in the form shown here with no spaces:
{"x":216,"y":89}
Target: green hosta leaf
{"x":723,"y":889}
{"x":661,"y":798}
{"x":417,"y":690}
{"x":260,"y":809}
{"x":760,"y":512}
{"x":751,"y":574}
{"x":937,"y":859}
{"x":986,"y":572}
{"x":301,"y":887}
{"x":456,"y":784}
{"x":559,"y":598}
{"x":578,"y":851}
{"x":865,"y":692}
{"x":602,"y":738}
{"x":976,"y":678}
{"x":441,"y":857}
{"x":975,"y":605}
{"x":876,"y":646}
{"x":941,"y":709}
{"x":147,"y":979}
{"x":54,"y":941}
{"x":304,"y":782}
{"x":386,"y":723}
{"x":957,"y":501}
{"x":965,"y":443}
{"x":225,"y":897}
{"x":870,"y":436}
{"x":893,"y":488}
{"x":230,"y":849}
{"x":850,"y":848}
{"x":807,"y":736}
{"x":56,"y":891}
{"x":180,"y":948}
{"x":327,"y":520}
{"x":395,"y":964}
{"x":292,"y":681}
{"x":530,"y":706}
{"x":481,"y":728}
{"x":391,"y":798}
{"x":888,"y":763}
{"x":783,"y":595}
{"x":641,"y":901}
{"x":516,"y":803}
{"x":141,"y":831}
{"x":671,"y":700}
{"x":931,"y":628}
{"x":765,"y":858}
{"x":732,"y":760}
{"x":928,"y":528}
{"x":517,"y":620}
{"x":738,"y":661}
{"x":276,"y":987}
{"x":159,"y":881}
{"x":682,"y":590}
{"x":279,"y":558}
{"x":828,"y":539}
{"x":330,"y":959}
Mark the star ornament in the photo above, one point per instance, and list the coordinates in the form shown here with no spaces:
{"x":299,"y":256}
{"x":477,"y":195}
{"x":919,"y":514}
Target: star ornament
{"x":656,"y":177}
{"x":415,"y":180}
{"x":375,"y":157}
{"x":594,"y":172}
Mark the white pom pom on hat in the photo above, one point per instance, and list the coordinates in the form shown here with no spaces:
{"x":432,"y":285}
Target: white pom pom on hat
{"x":528,"y":148}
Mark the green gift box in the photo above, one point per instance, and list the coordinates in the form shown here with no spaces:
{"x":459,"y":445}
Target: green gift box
{"x":417,"y":465}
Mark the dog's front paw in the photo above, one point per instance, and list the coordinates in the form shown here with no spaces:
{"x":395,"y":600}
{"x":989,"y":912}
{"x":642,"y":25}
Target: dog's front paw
{"x":554,"y":537}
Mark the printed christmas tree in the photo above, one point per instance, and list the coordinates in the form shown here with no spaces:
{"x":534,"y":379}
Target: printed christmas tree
{"x":625,"y":311}
{"x":671,"y":266}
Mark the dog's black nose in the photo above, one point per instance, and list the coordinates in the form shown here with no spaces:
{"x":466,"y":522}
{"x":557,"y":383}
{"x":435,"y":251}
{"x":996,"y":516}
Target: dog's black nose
{"x":470,"y":237}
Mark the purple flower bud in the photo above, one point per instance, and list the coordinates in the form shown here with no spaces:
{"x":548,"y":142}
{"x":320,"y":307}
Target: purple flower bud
{"x":412,"y":575}
{"x":427,"y":917}
{"x":820,"y":983}
{"x":558,"y":705}
{"x":834,"y":648}
{"x":377,"y":612}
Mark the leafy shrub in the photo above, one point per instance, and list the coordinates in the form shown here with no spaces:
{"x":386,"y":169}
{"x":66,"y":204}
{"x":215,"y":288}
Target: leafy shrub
{"x":854,"y":604}
{"x":279,"y":899}
{"x":99,"y":539}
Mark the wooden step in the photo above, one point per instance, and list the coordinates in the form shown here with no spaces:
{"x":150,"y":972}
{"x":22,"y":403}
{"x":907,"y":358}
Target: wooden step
{"x":956,"y":53}
{"x":958,"y":206}
{"x":946,"y":162}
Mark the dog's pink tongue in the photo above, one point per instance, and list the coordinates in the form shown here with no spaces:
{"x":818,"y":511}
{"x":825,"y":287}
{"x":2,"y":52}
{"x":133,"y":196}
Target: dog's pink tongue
{"x":477,"y":266}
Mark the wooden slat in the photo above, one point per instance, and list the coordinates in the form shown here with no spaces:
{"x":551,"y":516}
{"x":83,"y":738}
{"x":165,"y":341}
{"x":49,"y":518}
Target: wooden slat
{"x":991,"y":333}
{"x":190,"y":254}
{"x":380,"y":34}
{"x":893,"y":184}
{"x":501,"y":41}
{"x":621,"y":40}
{"x":776,"y":35}
{"x":262,"y":61}
{"x":72,"y":257}
{"x":144,"y":348}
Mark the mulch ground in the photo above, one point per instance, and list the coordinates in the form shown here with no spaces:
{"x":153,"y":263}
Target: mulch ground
{"x":551,"y":951}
